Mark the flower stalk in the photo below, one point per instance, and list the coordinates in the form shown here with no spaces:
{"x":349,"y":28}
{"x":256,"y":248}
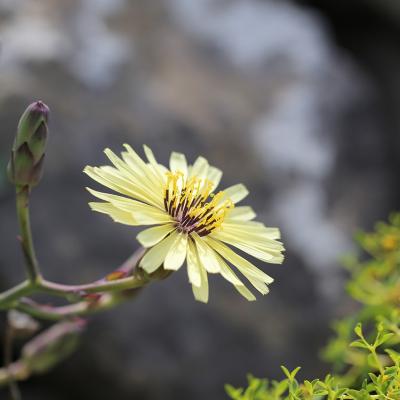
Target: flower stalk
{"x":31,"y":263}
{"x":8,"y":346}
{"x":80,"y":309}
{"x":135,"y":279}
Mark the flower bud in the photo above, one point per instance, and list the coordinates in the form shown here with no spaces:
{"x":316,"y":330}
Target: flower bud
{"x":27,"y":155}
{"x":52,"y":346}
{"x":23,"y":325}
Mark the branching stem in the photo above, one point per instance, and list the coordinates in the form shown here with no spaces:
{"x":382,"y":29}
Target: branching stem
{"x":40,"y":285}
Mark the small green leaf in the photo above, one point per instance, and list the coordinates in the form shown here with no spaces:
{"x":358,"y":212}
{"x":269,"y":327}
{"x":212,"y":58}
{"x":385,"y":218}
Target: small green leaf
{"x":359,"y":343}
{"x":358,"y":330}
{"x":234,"y":393}
{"x":286,"y":372}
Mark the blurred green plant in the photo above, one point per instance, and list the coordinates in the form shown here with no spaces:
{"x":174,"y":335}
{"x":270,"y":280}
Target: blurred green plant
{"x":365,"y":353}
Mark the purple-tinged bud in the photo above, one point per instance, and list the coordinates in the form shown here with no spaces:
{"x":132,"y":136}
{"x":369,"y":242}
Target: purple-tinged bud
{"x":27,"y":156}
{"x":52,"y":345}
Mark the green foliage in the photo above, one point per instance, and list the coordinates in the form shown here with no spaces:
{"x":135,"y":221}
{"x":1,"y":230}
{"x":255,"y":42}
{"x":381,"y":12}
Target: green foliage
{"x":365,"y":353}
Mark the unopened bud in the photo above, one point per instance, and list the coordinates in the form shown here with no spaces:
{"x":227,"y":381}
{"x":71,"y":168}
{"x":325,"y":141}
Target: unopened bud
{"x":52,"y":346}
{"x":27,"y":155}
{"x":23,"y":325}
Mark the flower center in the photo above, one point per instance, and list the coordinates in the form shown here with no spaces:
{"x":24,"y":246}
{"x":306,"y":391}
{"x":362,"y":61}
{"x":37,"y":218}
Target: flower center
{"x":193,"y":205}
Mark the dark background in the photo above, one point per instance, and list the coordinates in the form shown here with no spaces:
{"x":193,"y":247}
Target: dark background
{"x":298,"y":100}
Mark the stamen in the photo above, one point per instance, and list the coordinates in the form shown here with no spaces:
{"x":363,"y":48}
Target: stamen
{"x":193,"y":205}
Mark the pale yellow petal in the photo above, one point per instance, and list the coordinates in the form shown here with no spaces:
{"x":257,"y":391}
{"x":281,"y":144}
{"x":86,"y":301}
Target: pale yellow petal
{"x":263,"y":255}
{"x":147,"y":216}
{"x":114,"y":212}
{"x":104,"y":179}
{"x":258,"y":284}
{"x":214,"y":175}
{"x":235,"y":193}
{"x":242,"y":213}
{"x":192,"y":265}
{"x":153,"y":162}
{"x":245,"y":292}
{"x":124,"y":168}
{"x":200,"y":281}
{"x":206,"y":255}
{"x":231,"y":277}
{"x":214,"y":259}
{"x":177,"y":162}
{"x":151,"y":236}
{"x":162,"y":171}
{"x":256,"y":277}
{"x":155,"y":256}
{"x":201,"y":292}
{"x":250,"y":228}
{"x":126,"y":185}
{"x":199,"y":169}
{"x":116,"y":160}
{"x":248,"y":238}
{"x":113,"y":198}
{"x":133,"y":159}
{"x":177,"y":253}
{"x":264,"y":249}
{"x":143,"y":214}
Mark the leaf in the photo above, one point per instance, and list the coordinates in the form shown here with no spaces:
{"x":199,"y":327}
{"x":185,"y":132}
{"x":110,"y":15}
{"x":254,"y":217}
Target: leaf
{"x":281,"y":387}
{"x":382,"y":339}
{"x":360,"y":344}
{"x":358,"y":330}
{"x":234,"y":393}
{"x":286,"y":372}
{"x":394,"y":355}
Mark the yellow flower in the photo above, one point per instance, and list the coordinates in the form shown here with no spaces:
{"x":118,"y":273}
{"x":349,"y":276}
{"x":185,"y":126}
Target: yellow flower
{"x":193,"y":223}
{"x":390,"y":242}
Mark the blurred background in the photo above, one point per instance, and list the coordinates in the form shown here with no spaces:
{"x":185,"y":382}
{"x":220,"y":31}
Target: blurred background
{"x":297,"y":99}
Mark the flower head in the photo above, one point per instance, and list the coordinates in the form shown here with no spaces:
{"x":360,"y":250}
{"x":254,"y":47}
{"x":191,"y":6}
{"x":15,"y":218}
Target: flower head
{"x":192,"y":221}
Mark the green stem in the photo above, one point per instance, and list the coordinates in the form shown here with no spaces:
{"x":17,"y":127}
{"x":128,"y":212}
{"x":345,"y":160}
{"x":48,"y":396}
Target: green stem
{"x":81,"y":309}
{"x":23,"y":289}
{"x":136,"y":280}
{"x":52,"y":313}
{"x":132,"y":282}
{"x":8,"y":347}
{"x":31,"y":263}
{"x":377,"y":361}
{"x":74,"y":292}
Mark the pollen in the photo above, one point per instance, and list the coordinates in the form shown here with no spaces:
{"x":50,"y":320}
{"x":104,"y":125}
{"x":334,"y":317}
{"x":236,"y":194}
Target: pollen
{"x":193,"y":205}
